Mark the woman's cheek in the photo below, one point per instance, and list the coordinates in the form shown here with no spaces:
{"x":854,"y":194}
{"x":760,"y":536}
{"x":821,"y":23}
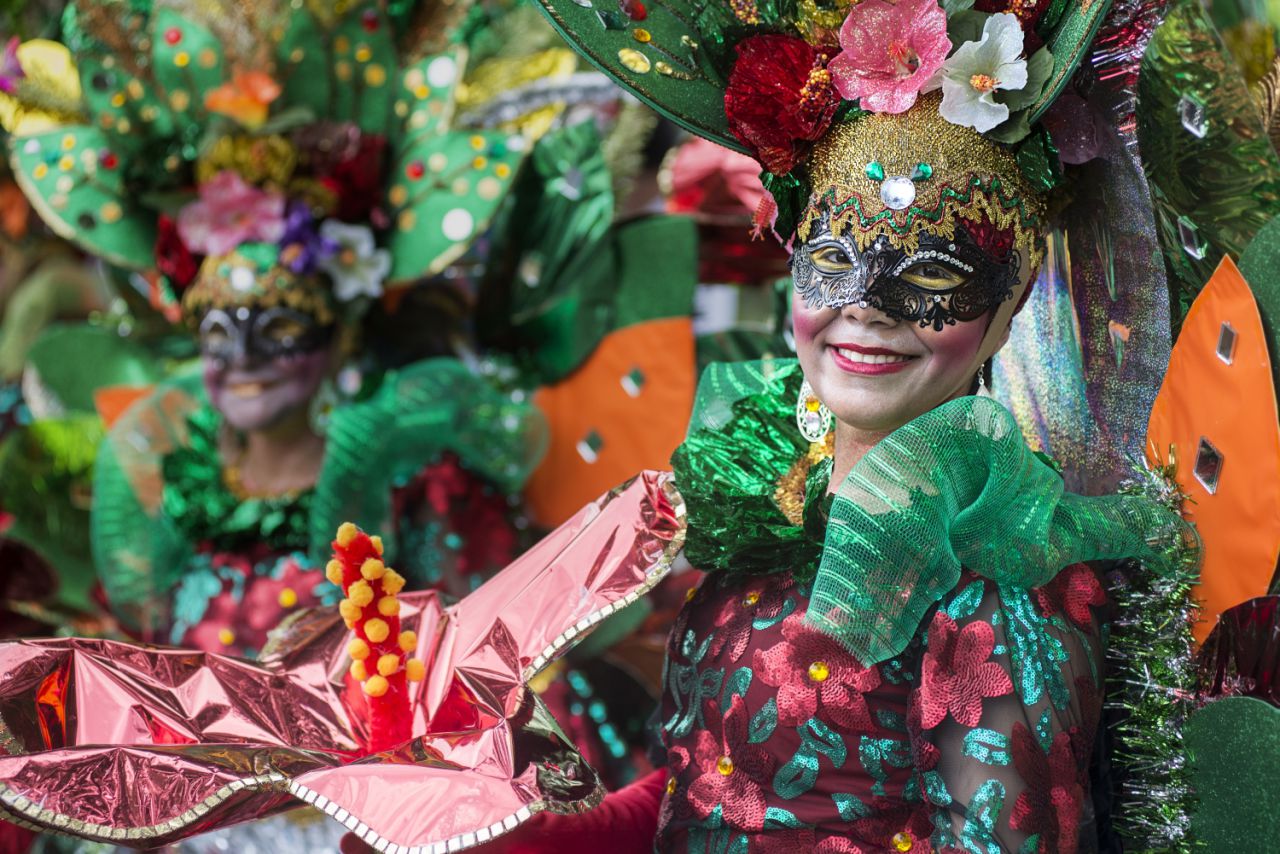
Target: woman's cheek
{"x":955,"y":347}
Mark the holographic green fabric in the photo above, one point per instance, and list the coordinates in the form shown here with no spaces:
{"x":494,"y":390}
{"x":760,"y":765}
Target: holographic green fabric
{"x":742,"y":440}
{"x":956,"y":487}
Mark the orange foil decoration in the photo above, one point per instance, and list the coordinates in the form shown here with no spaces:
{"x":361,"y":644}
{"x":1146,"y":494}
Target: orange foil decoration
{"x":379,"y":651}
{"x":1216,"y":415}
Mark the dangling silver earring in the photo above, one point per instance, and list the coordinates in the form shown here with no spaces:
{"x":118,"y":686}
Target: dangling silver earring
{"x":812,"y":416}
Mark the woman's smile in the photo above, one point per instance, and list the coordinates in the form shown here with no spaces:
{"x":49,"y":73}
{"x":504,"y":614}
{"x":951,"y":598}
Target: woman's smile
{"x":868,"y":361}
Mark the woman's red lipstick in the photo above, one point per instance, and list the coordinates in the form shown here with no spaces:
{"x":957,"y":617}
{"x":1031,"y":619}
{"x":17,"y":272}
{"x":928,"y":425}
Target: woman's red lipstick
{"x":871,"y":368}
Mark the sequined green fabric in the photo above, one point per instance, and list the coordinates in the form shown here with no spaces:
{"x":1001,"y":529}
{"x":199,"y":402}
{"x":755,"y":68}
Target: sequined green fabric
{"x":204,"y":510}
{"x":742,"y":440}
{"x":956,"y":487}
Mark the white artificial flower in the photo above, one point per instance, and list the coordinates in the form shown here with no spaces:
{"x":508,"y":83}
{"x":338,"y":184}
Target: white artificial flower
{"x":977,"y":70}
{"x":357,"y":266}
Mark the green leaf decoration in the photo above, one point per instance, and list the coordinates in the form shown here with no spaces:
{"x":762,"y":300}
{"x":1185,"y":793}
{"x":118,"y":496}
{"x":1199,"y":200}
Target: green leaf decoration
{"x":344,"y":70}
{"x":987,"y":746}
{"x":735,"y":686}
{"x":427,"y":92}
{"x":1214,"y":175}
{"x":445,"y":191}
{"x":763,"y":723}
{"x":1068,"y":45}
{"x":187,"y":62}
{"x":1039,"y":70}
{"x":1234,"y":744}
{"x":74,"y":178}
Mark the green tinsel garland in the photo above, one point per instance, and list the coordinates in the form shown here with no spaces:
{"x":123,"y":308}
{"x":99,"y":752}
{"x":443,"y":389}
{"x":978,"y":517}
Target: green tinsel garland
{"x":1151,"y":686}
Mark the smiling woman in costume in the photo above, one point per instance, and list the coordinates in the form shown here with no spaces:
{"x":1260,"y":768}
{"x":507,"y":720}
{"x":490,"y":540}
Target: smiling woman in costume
{"x":897,"y":645}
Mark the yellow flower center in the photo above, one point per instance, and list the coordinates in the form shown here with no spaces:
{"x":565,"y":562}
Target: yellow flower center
{"x":819,"y":671}
{"x":724,"y":765}
{"x":902,"y":841}
{"x":983,"y":83}
{"x":816,"y":86}
{"x":905,"y":60}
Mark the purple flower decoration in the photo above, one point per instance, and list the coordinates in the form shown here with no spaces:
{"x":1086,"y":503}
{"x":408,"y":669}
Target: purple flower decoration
{"x":302,"y":247}
{"x":10,"y":68}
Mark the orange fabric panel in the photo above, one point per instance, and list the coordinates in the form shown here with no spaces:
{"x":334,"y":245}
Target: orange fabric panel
{"x":638,"y":423}
{"x":112,"y":401}
{"x":1233,"y":406}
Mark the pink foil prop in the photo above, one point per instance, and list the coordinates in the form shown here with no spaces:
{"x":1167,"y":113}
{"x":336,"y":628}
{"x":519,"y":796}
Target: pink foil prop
{"x":145,"y":745}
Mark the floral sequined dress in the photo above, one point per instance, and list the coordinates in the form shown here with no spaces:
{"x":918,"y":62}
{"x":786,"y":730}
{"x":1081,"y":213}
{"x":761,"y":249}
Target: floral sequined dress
{"x":968,"y":725}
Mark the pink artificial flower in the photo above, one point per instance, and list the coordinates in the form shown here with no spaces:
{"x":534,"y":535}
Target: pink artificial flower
{"x":231,"y":212}
{"x":10,"y":68}
{"x":890,"y":52}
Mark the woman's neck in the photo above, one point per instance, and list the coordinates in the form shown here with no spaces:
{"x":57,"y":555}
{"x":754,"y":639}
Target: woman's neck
{"x":281,"y":459}
{"x":851,"y":445}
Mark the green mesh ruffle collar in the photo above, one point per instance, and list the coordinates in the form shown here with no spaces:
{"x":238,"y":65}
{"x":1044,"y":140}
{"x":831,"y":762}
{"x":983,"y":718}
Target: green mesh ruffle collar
{"x":956,"y":487}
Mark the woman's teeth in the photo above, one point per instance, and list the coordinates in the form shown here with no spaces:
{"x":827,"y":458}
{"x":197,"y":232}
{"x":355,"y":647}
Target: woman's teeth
{"x":854,"y":356}
{"x":246,"y":389}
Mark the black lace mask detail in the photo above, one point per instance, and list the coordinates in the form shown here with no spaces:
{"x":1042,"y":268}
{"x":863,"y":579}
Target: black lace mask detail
{"x":875,"y":278}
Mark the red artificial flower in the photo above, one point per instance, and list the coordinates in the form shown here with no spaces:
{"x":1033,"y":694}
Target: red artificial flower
{"x":733,"y":771}
{"x":1072,"y":591}
{"x":1051,"y":805}
{"x":174,"y":260}
{"x":734,"y":622}
{"x":956,"y":676}
{"x":779,"y":100}
{"x":811,"y":670}
{"x":358,"y":178}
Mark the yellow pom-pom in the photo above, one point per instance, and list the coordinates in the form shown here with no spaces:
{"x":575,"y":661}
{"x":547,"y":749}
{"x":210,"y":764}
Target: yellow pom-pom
{"x":358,"y":649}
{"x":372,"y":569}
{"x":377,"y":544}
{"x":376,"y":686}
{"x":226,"y":637}
{"x":415,"y":670}
{"x":288,"y":597}
{"x":349,"y":610}
{"x":408,"y":641}
{"x":360,"y":592}
{"x":358,"y":671}
{"x":346,"y":533}
{"x":392,"y":582}
{"x":389,"y":606}
{"x":388,"y":664}
{"x":376,"y":630}
{"x":333,"y":572}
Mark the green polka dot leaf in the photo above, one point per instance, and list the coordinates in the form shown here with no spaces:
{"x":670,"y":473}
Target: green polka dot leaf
{"x":427,"y":92}
{"x":73,"y":177}
{"x":444,"y":191}
{"x":187,"y":59}
{"x":342,"y":70}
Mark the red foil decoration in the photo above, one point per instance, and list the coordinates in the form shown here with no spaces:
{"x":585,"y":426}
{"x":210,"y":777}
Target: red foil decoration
{"x":779,"y":99}
{"x":144,"y":746}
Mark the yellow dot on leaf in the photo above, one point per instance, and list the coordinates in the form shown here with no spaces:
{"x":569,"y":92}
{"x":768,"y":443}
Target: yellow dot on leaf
{"x":182,"y":59}
{"x":363,"y":54}
{"x":40,"y":171}
{"x":376,"y":630}
{"x":502,"y":170}
{"x":388,"y":664}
